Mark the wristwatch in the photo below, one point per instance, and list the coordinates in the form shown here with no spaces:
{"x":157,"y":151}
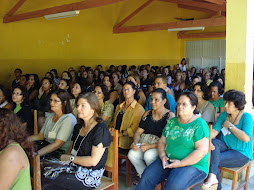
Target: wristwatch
{"x":231,"y":127}
{"x":72,"y":158}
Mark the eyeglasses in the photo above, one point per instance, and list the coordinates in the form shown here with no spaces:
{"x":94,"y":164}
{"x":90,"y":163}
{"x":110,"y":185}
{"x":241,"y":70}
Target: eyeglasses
{"x":95,"y":92}
{"x":127,"y":89}
{"x":182,"y":104}
{"x":45,"y":83}
{"x":17,"y":94}
{"x":55,"y":101}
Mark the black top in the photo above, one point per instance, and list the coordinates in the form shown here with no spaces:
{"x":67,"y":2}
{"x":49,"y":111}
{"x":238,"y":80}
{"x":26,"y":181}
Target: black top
{"x":152,"y":126}
{"x":145,"y":84}
{"x":26,"y":116}
{"x":99,"y":134}
{"x":119,"y":120}
{"x":43,"y":103}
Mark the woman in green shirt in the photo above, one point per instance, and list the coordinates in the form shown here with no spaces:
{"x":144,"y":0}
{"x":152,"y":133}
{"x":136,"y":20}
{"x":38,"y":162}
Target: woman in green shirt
{"x":183,"y":150}
{"x":215,"y":90}
{"x":14,"y":149}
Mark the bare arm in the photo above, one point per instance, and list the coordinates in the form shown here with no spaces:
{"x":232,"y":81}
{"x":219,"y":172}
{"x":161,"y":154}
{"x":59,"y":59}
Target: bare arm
{"x":214,"y":133}
{"x":51,"y":147}
{"x":87,"y":161}
{"x":142,"y":99}
{"x":37,"y":137}
{"x":113,"y":96}
{"x":12,"y":160}
{"x":70,"y":148}
{"x":33,"y":95}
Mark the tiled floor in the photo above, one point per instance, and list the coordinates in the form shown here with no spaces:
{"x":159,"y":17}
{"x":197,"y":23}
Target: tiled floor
{"x":225,"y":184}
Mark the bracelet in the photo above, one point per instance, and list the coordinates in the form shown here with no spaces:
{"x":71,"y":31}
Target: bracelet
{"x":122,"y":132}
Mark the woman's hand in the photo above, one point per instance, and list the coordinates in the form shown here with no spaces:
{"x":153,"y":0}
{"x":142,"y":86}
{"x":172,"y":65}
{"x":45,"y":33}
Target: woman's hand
{"x":41,"y":91}
{"x":144,"y":147}
{"x":65,"y":157}
{"x":111,"y":130}
{"x":174,"y":164}
{"x":164,"y":161}
{"x":227,"y":124}
{"x":212,"y":146}
{"x":134,"y":147}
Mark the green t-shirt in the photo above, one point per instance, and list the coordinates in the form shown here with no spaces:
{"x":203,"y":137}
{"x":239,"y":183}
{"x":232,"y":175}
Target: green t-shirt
{"x":181,"y":138}
{"x":218,"y":104}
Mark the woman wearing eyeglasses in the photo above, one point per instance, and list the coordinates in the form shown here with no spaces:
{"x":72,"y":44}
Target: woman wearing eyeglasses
{"x":107,"y":109}
{"x":21,"y":107}
{"x":127,"y":117}
{"x":58,"y":127}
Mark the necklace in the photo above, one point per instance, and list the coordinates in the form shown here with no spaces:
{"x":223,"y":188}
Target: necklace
{"x":236,"y":117}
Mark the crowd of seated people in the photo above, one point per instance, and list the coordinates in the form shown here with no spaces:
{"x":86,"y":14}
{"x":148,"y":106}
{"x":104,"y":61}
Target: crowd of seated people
{"x":161,"y":115}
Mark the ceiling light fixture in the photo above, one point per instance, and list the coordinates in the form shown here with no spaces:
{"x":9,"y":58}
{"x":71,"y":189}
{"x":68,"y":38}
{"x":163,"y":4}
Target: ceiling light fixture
{"x":186,"y":29}
{"x":62,"y":15}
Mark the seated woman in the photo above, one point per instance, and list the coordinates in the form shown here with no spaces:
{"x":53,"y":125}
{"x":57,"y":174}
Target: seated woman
{"x":215,"y":89}
{"x":58,"y":127}
{"x":108,"y":81}
{"x":205,"y":108}
{"x":64,"y":84}
{"x":89,"y":148}
{"x":178,"y":85}
{"x":107,"y":109}
{"x":152,"y":124}
{"x":127,"y":117}
{"x":78,"y":88}
{"x":183,"y":150}
{"x":14,"y":152}
{"x":135,"y":79}
{"x":234,"y":148}
{"x":5,"y":98}
{"x":32,"y":87}
{"x":21,"y":107}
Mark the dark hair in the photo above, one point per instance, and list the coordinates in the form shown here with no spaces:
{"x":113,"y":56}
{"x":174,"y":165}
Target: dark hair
{"x":51,"y":75}
{"x":204,"y":89}
{"x":163,"y":96}
{"x":201,"y":76}
{"x":163,"y":78}
{"x":24,"y":93}
{"x":183,"y":59}
{"x":55,"y":71}
{"x":237,"y":97}
{"x":82,"y":84}
{"x":136,"y":96}
{"x":105,"y":91}
{"x":93,"y":101}
{"x":69,"y":75}
{"x":18,"y":69}
{"x":6,"y":93}
{"x":36,"y":81}
{"x":63,"y":95}
{"x":66,"y":81}
{"x":193,"y":100}
{"x":218,"y":85}
{"x":111,"y":80}
{"x":11,"y":128}
{"x":26,"y":76}
{"x":46,"y":78}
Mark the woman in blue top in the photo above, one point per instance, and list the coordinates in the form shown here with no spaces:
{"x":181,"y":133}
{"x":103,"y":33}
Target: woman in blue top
{"x":234,"y":148}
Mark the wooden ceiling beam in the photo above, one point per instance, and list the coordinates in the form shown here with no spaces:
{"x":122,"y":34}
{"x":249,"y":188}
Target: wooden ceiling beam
{"x":220,"y":21}
{"x":196,"y":9}
{"x":58,"y":9}
{"x":134,"y":13}
{"x":201,"y":35}
{"x":16,"y":7}
{"x":203,"y":5}
{"x":218,"y":2}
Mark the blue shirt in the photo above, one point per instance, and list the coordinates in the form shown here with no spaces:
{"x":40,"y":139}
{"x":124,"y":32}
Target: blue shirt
{"x":245,"y":124}
{"x":171,"y":101}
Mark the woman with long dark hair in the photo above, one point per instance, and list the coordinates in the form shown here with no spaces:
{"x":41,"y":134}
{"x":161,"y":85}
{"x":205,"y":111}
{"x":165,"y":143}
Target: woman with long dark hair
{"x":5,"y":97}
{"x":15,"y":150}
{"x":21,"y":107}
{"x":88,"y":150}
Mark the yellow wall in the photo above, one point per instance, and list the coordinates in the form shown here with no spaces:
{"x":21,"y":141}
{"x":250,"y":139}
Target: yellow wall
{"x":37,"y":45}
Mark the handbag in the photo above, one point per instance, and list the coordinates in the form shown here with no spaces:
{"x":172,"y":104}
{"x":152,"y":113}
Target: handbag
{"x":148,"y":139}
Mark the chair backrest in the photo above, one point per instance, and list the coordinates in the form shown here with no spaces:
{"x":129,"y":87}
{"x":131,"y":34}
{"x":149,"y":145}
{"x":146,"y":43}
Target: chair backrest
{"x":112,"y":165}
{"x":36,"y":182}
{"x":210,"y":141}
{"x":35,"y":123}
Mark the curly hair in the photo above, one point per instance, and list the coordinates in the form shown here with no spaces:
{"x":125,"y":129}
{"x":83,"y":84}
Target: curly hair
{"x":11,"y":129}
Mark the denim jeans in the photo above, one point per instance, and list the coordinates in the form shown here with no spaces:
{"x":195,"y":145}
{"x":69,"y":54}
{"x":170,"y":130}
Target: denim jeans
{"x":142,"y":159}
{"x":177,"y":178}
{"x":223,"y":157}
